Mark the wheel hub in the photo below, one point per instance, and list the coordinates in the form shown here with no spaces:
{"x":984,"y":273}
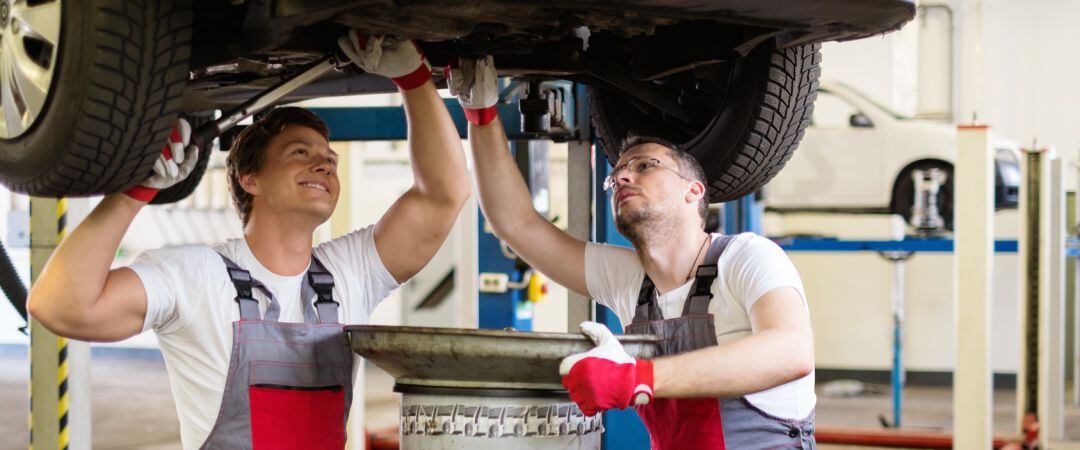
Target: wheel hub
{"x":29,"y":44}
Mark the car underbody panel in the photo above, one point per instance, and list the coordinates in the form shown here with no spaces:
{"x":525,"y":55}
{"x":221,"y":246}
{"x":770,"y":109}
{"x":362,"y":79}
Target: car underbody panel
{"x":240,"y":47}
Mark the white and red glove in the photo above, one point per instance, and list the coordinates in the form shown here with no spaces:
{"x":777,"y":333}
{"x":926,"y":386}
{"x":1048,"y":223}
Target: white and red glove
{"x":176,"y":162}
{"x":606,"y":377}
{"x":476,"y":85}
{"x":400,"y":61}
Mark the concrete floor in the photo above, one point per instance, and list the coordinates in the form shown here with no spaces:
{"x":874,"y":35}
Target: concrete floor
{"x":132,"y":407}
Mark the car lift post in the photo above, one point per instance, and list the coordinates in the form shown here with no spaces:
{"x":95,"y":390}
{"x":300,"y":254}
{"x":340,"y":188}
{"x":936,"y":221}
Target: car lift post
{"x":974,"y":269}
{"x":1040,"y":378}
{"x":898,"y":377}
{"x":59,"y":368}
{"x":1076,"y":311}
{"x":583,"y":191}
{"x":743,"y":215}
{"x":925,"y":218}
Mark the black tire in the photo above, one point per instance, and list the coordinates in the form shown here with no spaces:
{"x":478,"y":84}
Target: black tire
{"x":903,"y":197}
{"x":120,"y":72}
{"x":756,"y":124}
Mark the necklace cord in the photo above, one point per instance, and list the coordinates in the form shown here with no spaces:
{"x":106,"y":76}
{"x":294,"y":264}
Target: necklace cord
{"x":693,"y":263}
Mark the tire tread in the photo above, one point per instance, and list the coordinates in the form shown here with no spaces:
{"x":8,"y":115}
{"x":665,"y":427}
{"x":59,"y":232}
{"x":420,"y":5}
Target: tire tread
{"x":776,"y":119}
{"x":133,"y":95}
{"x":778,"y":123}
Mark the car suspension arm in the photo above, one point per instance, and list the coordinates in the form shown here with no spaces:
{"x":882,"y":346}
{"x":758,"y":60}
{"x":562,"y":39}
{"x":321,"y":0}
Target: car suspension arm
{"x":207,"y":132}
{"x":609,"y":72}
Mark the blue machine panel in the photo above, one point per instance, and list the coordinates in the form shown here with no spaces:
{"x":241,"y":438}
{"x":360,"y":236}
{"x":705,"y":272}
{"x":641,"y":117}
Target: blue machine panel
{"x":500,"y":310}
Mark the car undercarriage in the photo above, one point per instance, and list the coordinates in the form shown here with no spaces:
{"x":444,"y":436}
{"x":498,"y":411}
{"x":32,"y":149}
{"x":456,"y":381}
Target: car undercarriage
{"x":733,"y":82}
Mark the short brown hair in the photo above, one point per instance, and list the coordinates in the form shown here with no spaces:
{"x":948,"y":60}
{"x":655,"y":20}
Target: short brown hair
{"x":248,"y":152}
{"x":688,"y":165}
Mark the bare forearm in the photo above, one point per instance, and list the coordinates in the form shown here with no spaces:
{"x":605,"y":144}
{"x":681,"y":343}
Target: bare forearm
{"x":438,"y":159}
{"x":751,"y":364}
{"x":508,"y":206}
{"x":414,"y":227}
{"x":504,"y":196}
{"x":75,"y":275}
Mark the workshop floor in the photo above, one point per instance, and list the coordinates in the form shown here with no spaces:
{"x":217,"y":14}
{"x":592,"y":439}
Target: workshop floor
{"x":132,"y":407}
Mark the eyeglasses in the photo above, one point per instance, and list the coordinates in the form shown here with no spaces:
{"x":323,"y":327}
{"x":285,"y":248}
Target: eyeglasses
{"x":636,"y":166}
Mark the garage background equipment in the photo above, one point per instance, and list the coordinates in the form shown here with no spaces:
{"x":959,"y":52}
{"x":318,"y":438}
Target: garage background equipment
{"x":925,"y":214}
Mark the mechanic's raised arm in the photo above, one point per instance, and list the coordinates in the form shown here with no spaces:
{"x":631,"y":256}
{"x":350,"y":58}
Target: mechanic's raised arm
{"x":76,"y":295}
{"x":504,"y":196}
{"x":415,"y":226}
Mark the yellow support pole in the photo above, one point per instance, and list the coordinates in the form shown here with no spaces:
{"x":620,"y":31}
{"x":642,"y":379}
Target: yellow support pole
{"x":62,"y":345}
{"x":51,"y":384}
{"x":45,"y":366}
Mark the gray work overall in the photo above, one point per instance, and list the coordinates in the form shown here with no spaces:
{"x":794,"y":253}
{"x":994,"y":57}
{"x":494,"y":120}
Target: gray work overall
{"x":706,"y":423}
{"x":289,"y":384}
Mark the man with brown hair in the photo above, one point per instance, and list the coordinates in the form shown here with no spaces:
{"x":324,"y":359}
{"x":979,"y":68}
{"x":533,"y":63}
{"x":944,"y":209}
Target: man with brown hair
{"x":251,"y":330}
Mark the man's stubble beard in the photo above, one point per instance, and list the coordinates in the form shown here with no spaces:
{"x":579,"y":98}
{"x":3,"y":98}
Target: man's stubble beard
{"x":646,"y":225}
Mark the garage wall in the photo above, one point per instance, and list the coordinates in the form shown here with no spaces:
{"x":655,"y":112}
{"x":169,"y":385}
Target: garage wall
{"x":1031,"y":65}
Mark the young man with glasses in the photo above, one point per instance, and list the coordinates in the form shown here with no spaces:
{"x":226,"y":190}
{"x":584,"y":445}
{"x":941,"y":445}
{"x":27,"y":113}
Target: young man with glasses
{"x":736,"y":358}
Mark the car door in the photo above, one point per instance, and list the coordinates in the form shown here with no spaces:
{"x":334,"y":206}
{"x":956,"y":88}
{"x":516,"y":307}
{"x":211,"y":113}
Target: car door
{"x":837,"y":165}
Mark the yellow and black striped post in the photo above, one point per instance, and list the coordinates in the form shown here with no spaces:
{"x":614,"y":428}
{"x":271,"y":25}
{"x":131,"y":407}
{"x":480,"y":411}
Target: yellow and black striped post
{"x":51,"y":355}
{"x":61,"y":345}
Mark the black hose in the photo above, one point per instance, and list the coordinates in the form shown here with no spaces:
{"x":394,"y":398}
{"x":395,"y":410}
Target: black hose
{"x":11,"y":284}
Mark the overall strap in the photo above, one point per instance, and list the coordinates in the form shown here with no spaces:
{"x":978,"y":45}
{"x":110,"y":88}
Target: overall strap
{"x":700,"y":295}
{"x":647,"y":310}
{"x":320,"y":283}
{"x":697,"y":302}
{"x":249,"y":306}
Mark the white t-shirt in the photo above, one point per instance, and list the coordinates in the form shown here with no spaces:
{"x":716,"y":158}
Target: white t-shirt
{"x":191,"y":306}
{"x":749,"y":267}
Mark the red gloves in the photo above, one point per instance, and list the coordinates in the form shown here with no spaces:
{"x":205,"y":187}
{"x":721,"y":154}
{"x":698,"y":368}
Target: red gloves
{"x":176,"y":162}
{"x":606,"y":377}
{"x":400,"y":61}
{"x":476,"y":85}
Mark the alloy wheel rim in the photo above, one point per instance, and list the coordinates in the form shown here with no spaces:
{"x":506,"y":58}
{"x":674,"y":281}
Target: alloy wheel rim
{"x":29,"y":43}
